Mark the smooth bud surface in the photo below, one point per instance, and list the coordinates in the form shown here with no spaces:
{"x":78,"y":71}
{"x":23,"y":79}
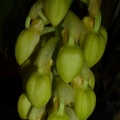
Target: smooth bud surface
{"x":69,"y":62}
{"x":55,"y":10}
{"x":25,"y":45}
{"x":23,"y":106}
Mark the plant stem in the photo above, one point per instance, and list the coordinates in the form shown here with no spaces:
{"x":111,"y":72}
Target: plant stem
{"x":70,"y":41}
{"x":97,"y":21}
{"x":48,"y":30}
{"x":43,"y":17}
{"x":61,"y":109}
{"x":27,"y":22}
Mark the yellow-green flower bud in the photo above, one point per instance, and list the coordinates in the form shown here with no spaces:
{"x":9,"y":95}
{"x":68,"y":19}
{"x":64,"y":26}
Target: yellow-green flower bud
{"x":93,"y":47}
{"x":85,"y":101}
{"x":55,"y":10}
{"x":27,"y":41}
{"x":69,"y":62}
{"x":23,"y":106}
{"x":38,"y":88}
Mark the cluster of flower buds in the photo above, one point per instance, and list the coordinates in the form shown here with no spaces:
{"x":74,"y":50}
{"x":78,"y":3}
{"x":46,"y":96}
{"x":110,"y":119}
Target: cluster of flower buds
{"x":55,"y":52}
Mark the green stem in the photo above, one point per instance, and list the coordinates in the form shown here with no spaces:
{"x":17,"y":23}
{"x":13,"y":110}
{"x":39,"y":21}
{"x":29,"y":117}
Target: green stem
{"x":48,"y":30}
{"x":27,"y":22}
{"x":70,"y":41}
{"x":97,"y":21}
{"x":61,"y":109}
{"x":43,"y":17}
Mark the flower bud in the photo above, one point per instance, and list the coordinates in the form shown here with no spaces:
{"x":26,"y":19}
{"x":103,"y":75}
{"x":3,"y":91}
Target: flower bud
{"x":23,"y":106}
{"x":27,"y":41}
{"x":55,"y":10}
{"x":69,"y":62}
{"x":93,"y":47}
{"x":38,"y":88}
{"x":85,"y":101}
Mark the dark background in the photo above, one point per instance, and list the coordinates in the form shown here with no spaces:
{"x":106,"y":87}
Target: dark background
{"x":107,"y":70}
